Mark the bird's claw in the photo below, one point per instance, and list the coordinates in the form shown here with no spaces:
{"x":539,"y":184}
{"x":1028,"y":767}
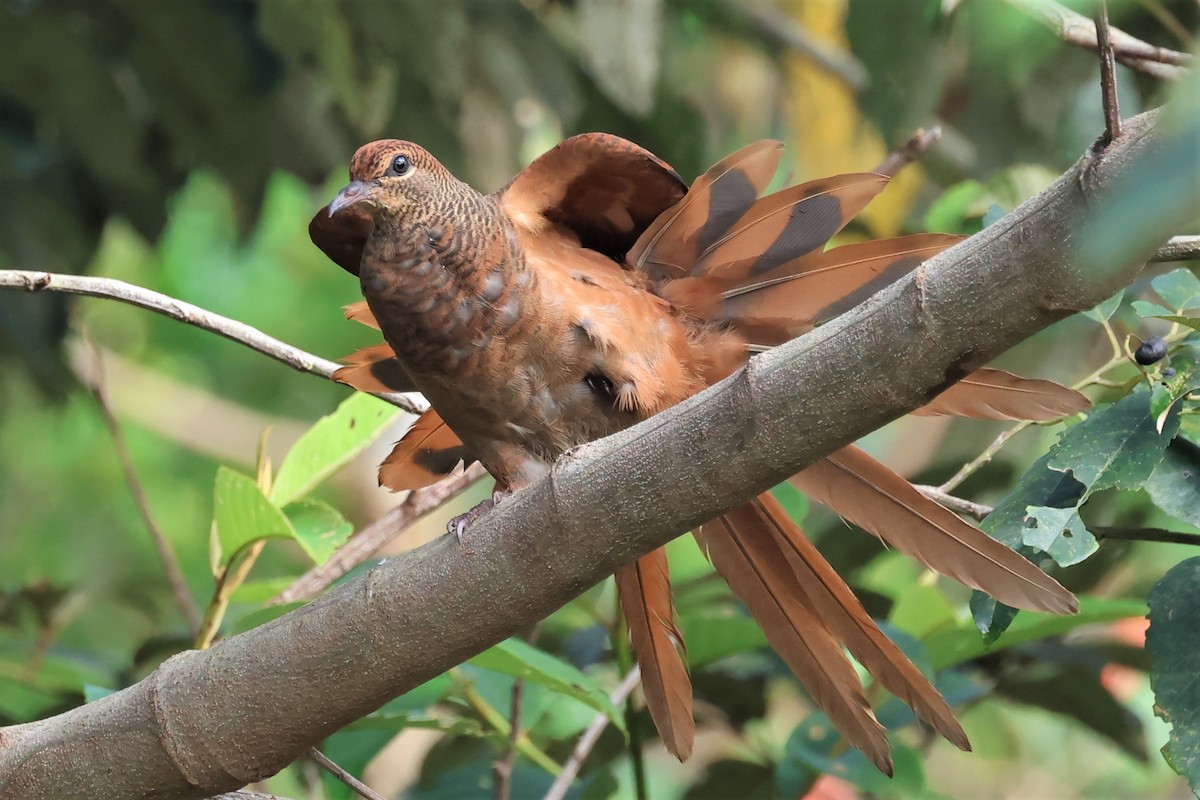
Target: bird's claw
{"x":458,"y":525}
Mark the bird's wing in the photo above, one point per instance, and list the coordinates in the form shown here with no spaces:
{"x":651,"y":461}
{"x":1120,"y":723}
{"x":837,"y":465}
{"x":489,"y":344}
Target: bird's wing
{"x":428,"y":452}
{"x":602,"y":188}
{"x":343,"y":237}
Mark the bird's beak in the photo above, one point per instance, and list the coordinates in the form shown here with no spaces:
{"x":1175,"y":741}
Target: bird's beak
{"x":356,"y":192}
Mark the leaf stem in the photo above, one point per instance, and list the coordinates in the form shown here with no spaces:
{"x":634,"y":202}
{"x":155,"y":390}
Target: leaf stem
{"x":497,"y":721}
{"x":229,"y":579}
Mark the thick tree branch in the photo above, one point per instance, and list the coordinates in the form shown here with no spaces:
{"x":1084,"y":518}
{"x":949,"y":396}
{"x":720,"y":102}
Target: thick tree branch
{"x":1179,"y":248}
{"x":231,"y":329}
{"x":207,"y":722}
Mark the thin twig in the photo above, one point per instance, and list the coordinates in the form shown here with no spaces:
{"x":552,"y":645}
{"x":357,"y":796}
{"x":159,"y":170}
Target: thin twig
{"x":368,"y":541}
{"x":183,"y":597}
{"x":231,"y":329}
{"x":562,"y":784}
{"x":503,"y":766}
{"x":359,"y":788}
{"x":1179,"y":248}
{"x":971,"y":509}
{"x":498,"y":723}
{"x":1076,"y":29}
{"x":910,"y":151}
{"x":974,"y":464}
{"x":1108,"y":78}
{"x":248,"y":796}
{"x":777,"y":25}
{"x":1147,"y":535}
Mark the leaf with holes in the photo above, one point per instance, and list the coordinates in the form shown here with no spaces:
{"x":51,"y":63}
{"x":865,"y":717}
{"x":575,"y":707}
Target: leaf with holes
{"x":1174,"y":641}
{"x":1175,"y":485}
{"x":1116,"y":447}
{"x":1169,"y":391}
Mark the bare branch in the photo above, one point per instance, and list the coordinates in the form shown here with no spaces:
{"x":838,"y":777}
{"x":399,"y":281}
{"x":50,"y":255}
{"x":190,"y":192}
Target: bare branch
{"x":211,"y":721}
{"x":775,"y":24}
{"x":1179,"y":248}
{"x":913,"y":149}
{"x":583,"y":748}
{"x":357,"y":786}
{"x":183,"y":597}
{"x":1148,"y":535}
{"x":1108,"y":78}
{"x":1074,"y":28}
{"x":976,"y":510}
{"x":371,"y":538}
{"x":193,"y":315}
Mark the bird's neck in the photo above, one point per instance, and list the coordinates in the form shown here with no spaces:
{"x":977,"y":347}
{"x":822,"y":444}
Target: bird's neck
{"x":444,"y":290}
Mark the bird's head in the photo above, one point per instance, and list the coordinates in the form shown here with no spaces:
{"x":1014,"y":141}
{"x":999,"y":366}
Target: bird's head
{"x":392,"y":178}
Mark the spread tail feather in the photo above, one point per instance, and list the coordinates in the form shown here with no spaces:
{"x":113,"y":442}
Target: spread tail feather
{"x":772,"y":307}
{"x":672,"y":243}
{"x":644,"y":589}
{"x":995,"y":394}
{"x":374,"y":369}
{"x":428,"y":452}
{"x":836,"y":605}
{"x":870,"y":495}
{"x":754,"y":566}
{"x":786,"y":225}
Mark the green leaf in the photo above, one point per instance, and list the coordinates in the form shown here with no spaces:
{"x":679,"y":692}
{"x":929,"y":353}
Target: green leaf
{"x":92,"y":692}
{"x":1058,"y":532}
{"x":1117,"y":446}
{"x":319,"y":528}
{"x":1167,"y":392}
{"x":711,"y":637}
{"x":1155,"y":311}
{"x":396,"y":722}
{"x":951,"y":648}
{"x":330,"y":444}
{"x":241,"y":515}
{"x":950,"y":211}
{"x":517,"y":659}
{"x":1178,"y":288}
{"x":1145,"y":308}
{"x":1175,"y":485}
{"x":815,"y":748}
{"x":1106,"y":309}
{"x":1174,"y":642}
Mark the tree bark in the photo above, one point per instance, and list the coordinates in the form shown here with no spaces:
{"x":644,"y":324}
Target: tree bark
{"x":208,"y":722}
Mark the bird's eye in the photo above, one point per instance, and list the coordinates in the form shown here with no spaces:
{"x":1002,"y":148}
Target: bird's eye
{"x":400,"y":166}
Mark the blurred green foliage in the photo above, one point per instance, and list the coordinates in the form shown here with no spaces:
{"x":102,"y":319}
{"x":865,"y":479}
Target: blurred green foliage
{"x":184,"y":146}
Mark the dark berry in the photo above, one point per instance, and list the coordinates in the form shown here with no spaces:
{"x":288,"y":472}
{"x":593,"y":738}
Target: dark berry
{"x":1149,"y":351}
{"x":1168,"y":372}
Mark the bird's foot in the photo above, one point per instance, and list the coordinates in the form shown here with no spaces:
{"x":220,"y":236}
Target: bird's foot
{"x":459,"y":523}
